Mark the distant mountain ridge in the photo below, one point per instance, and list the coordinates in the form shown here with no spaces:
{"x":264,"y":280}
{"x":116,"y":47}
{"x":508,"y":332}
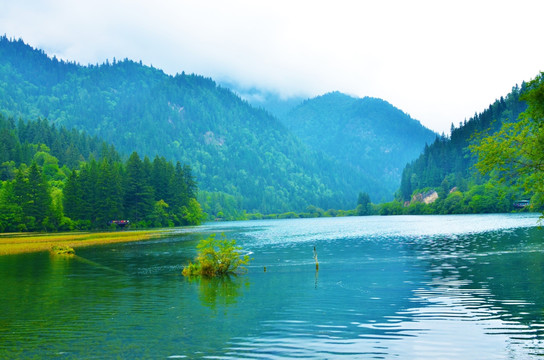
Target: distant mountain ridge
{"x":242,"y":153}
{"x":233,"y":148}
{"x":271,"y":101}
{"x":368,"y":134}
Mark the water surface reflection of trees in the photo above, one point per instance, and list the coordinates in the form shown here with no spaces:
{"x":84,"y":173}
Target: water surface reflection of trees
{"x":219,"y":291}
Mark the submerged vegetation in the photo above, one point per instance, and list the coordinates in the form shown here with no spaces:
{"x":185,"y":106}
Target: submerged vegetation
{"x":25,"y":243}
{"x":217,"y":257}
{"x":219,"y":290}
{"x":62,"y":250}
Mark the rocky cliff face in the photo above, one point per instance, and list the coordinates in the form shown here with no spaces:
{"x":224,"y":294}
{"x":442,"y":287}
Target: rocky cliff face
{"x":427,"y":197}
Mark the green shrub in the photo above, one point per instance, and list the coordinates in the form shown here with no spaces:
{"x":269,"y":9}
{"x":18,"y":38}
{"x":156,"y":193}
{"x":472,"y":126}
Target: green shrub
{"x":217,"y":258}
{"x":62,"y":250}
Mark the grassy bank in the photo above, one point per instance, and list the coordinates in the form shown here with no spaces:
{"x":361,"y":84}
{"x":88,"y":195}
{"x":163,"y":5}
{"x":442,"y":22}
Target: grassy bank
{"x":32,"y":242}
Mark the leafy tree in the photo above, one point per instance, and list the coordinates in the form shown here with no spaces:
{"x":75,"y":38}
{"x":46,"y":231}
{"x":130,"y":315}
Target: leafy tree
{"x":515,"y":154}
{"x":454,"y":203}
{"x":364,"y":207}
{"x":160,"y":217}
{"x":192,"y":213}
{"x":391,"y":208}
{"x":221,"y":205}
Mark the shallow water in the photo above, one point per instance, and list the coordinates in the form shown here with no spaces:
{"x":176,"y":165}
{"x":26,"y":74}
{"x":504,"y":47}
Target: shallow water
{"x":407,"y":287}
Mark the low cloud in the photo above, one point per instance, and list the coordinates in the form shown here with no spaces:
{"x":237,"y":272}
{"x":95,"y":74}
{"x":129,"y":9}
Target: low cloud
{"x":439,"y":62}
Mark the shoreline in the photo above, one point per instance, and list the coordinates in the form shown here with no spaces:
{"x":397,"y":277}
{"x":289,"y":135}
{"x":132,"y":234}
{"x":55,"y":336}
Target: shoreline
{"x":20,"y":243}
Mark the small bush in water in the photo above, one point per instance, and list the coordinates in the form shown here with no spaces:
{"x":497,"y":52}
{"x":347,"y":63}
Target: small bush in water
{"x":217,"y":257}
{"x":62,"y":250}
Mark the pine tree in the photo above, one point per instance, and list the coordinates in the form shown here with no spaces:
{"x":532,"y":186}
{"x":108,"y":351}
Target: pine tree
{"x":363,"y":204}
{"x":162,"y":175}
{"x":138,"y":198}
{"x":72,"y":197}
{"x":88,"y":177}
{"x":11,"y":213}
{"x":33,"y":195}
{"x":109,"y":199}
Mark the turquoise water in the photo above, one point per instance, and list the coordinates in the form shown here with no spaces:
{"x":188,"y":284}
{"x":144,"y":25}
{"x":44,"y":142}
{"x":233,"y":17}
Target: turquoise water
{"x":407,"y":287}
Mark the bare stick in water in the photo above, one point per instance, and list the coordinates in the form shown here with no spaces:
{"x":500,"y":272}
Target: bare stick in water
{"x":315,"y":258}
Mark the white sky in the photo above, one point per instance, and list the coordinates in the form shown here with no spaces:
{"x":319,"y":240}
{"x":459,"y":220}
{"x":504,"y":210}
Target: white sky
{"x":439,"y":61}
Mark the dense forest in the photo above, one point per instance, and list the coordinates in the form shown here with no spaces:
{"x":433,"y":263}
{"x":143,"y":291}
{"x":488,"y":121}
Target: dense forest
{"x":55,"y":179}
{"x":515,"y":153}
{"x":243,"y":158}
{"x":247,"y":162}
{"x":271,"y":101}
{"x":367,"y":134}
{"x":446,"y":167}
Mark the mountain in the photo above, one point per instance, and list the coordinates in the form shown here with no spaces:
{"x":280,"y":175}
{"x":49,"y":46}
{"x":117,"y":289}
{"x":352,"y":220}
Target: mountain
{"x":448,"y":161}
{"x":270,"y":101}
{"x":52,"y":179}
{"x":446,"y":167}
{"x":239,"y":155}
{"x":367,"y":134}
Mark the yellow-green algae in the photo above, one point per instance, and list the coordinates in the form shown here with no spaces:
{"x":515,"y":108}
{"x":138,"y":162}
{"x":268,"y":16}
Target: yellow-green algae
{"x":18,"y":243}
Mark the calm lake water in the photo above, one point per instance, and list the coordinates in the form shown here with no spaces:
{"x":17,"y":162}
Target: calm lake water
{"x":407,"y":287}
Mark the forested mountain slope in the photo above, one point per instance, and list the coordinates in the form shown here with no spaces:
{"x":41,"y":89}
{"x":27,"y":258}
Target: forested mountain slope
{"x":52,"y":179}
{"x":447,"y":165}
{"x":273,"y":102}
{"x":368,"y":134}
{"x":234,"y":149}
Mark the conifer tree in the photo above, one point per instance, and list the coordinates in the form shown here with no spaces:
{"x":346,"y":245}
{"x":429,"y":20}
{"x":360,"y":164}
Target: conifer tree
{"x":109,"y":197}
{"x":138,"y":198}
{"x":72,"y":197}
{"x":88,"y":177}
{"x":32,"y":194}
{"x":11,"y":212}
{"x":363,"y":204}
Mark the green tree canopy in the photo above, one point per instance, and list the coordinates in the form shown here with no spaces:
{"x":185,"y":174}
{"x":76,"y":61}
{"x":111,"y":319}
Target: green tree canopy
{"x":364,"y":206}
{"x":515,"y":154}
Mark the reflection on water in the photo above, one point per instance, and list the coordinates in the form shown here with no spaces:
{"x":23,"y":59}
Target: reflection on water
{"x":220,"y":291}
{"x":448,"y":287}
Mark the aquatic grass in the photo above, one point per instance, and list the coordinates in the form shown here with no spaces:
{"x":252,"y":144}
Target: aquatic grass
{"x":217,"y":257}
{"x":19,"y":243}
{"x":62,"y":250}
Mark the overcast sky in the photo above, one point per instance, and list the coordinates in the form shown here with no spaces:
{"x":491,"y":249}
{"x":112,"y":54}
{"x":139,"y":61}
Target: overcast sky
{"x":439,"y":61}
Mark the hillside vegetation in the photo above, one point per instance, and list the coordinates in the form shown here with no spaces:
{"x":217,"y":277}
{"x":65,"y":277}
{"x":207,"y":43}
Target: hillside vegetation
{"x":367,"y":134}
{"x":447,"y":167}
{"x":242,"y":157}
{"x":54,"y":179}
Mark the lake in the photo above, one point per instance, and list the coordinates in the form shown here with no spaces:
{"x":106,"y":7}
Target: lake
{"x":398,"y":287}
